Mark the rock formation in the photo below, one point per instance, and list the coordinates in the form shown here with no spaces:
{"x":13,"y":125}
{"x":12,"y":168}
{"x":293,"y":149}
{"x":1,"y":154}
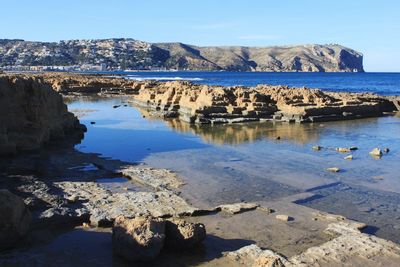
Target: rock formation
{"x":196,"y":103}
{"x":15,"y":219}
{"x":184,"y":235}
{"x":138,"y":239}
{"x":215,"y":104}
{"x":134,"y":54}
{"x":350,"y":247}
{"x":32,"y":114}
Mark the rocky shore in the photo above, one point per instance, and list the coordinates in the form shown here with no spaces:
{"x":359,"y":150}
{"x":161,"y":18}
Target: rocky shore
{"x":201,"y":104}
{"x":51,"y":194}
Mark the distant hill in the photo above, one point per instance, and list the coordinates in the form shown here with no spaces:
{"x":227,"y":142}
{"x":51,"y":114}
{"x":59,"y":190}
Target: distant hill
{"x":134,"y":54}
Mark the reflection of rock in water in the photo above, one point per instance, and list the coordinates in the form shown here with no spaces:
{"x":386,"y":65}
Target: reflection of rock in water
{"x":249,"y":132}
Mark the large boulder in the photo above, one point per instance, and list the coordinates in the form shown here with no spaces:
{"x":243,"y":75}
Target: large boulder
{"x":33,"y":114}
{"x":138,"y":239}
{"x":15,"y":219}
{"x":183,"y":235}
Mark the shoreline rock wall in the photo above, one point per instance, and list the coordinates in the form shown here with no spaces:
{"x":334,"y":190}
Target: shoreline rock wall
{"x":32,"y":114}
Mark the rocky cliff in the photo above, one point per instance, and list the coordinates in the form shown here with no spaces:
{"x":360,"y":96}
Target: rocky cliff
{"x":134,"y":54}
{"x":32,"y":114}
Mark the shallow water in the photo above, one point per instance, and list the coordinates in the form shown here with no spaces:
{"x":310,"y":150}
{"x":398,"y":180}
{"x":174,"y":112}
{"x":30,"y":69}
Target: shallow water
{"x":246,"y":162}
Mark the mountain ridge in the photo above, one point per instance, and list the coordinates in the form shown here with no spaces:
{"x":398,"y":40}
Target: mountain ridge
{"x":128,"y":53}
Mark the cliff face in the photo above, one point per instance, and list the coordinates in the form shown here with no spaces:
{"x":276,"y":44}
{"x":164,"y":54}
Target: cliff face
{"x":31,"y":114}
{"x":134,"y":54}
{"x":307,"y":58}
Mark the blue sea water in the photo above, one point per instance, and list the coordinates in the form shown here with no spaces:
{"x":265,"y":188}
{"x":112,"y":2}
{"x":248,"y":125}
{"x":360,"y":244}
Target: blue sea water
{"x":380,"y":83}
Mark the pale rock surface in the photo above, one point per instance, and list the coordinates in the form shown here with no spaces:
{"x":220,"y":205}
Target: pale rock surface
{"x":138,"y":239}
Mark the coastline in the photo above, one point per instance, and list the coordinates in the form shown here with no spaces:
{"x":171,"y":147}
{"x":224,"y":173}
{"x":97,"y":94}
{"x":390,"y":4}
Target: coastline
{"x":50,"y":171}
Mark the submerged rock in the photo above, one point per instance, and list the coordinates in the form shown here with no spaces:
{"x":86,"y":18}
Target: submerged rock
{"x":343,"y":149}
{"x":138,"y":239}
{"x":333,"y":169}
{"x":349,"y":157}
{"x":15,"y":219}
{"x":184,"y":235}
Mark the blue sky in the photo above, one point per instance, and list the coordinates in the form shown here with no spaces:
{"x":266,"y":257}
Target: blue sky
{"x":371,"y":27}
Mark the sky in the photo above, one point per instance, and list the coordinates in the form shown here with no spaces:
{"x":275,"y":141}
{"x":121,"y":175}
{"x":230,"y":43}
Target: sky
{"x":371,"y":27}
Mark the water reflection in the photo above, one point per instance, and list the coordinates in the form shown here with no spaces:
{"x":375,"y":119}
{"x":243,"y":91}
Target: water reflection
{"x":235,"y":134}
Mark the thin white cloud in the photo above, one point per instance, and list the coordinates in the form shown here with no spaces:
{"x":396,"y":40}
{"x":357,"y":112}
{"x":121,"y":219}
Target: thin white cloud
{"x":259,"y":37}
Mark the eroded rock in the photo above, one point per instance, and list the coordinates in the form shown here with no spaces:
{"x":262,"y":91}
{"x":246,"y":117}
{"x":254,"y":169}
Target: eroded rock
{"x":104,"y":206}
{"x":376,"y":152}
{"x":138,"y":239}
{"x":184,"y":235}
{"x":237,"y":207}
{"x":32,"y":114}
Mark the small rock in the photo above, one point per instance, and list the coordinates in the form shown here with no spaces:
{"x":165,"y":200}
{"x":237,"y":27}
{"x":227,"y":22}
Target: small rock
{"x":116,"y":106}
{"x":376,"y":152}
{"x":278,"y":138}
{"x":92,"y":122}
{"x":352,"y":148}
{"x":343,"y":149}
{"x":237,"y":207}
{"x":349,"y":157}
{"x":283,"y":217}
{"x":378,"y":178}
{"x":317,"y":148}
{"x":386,"y":150}
{"x":183,"y":235}
{"x":138,"y":239}
{"x":72,"y":198}
{"x":333,"y":169}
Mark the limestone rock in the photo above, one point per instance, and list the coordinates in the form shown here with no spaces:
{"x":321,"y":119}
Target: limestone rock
{"x":333,"y":169}
{"x":376,"y":152}
{"x":253,"y":255}
{"x":283,"y":217}
{"x":138,"y":239}
{"x":349,"y":157}
{"x":237,"y":207}
{"x":184,"y":235}
{"x":343,"y":149}
{"x":317,"y":148}
{"x":104,"y":205}
{"x":14,"y":220}
{"x":32,"y":114}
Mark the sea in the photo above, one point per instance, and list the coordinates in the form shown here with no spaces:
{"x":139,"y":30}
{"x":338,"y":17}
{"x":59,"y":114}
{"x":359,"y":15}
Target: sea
{"x":379,"y":83}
